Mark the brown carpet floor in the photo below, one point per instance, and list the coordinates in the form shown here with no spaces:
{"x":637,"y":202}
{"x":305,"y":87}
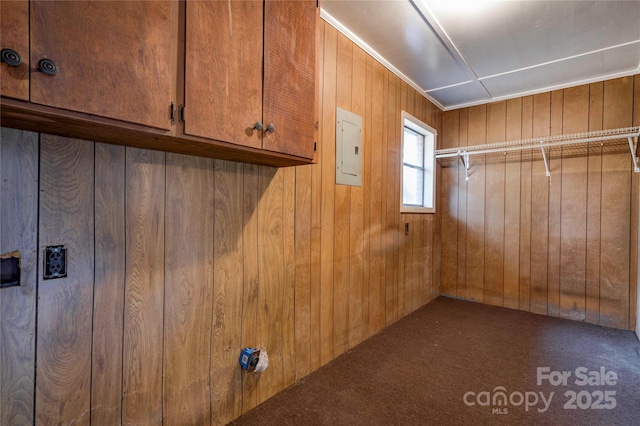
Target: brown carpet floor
{"x":418,"y":371}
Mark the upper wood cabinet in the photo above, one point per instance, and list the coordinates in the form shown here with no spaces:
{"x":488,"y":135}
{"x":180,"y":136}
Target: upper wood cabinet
{"x":14,"y":42}
{"x":250,"y":73}
{"x":113,"y":59}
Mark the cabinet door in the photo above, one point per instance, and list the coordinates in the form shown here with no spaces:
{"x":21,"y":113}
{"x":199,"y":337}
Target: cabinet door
{"x":289,"y":71}
{"x":14,"y":35}
{"x":114,"y":58}
{"x":223,"y":71}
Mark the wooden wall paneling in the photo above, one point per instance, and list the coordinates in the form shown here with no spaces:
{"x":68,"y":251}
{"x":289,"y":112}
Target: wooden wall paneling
{"x":393,"y":203}
{"x":494,"y":208}
{"x":573,"y":216}
{"x":342,"y":211}
{"x":366,"y":200}
{"x":525,"y":209}
{"x":539,"y":208}
{"x":376,"y":318}
{"x":449,"y":205}
{"x":402,"y":238}
{"x":475,"y":206}
{"x":555,"y":195}
{"x":356,"y":209}
{"x":65,"y":305}
{"x":594,"y":207}
{"x":189,"y":278}
{"x":633,"y":239}
{"x":616,"y":204}
{"x":316,"y":208}
{"x":109,"y":283}
{"x":271,"y":270}
{"x":385,"y":248}
{"x":250,"y":275}
{"x":511,"y":255}
{"x":144,"y":287}
{"x":288,"y":304}
{"x":303,"y":271}
{"x":18,"y":232}
{"x":328,"y":193}
{"x":435,"y":276}
{"x":461,"y":243}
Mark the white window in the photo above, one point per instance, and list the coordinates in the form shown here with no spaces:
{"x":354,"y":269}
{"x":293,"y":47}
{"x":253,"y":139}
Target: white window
{"x":418,"y":166}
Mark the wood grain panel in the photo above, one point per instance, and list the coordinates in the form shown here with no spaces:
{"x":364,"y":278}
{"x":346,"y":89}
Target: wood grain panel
{"x":65,"y":305}
{"x":227,"y":72}
{"x":573,"y":216}
{"x":449,"y":206}
{"x":511,"y":255}
{"x":109,"y":284}
{"x":376,"y":309}
{"x":145,"y":84}
{"x":189,"y":262}
{"x":303,"y":271}
{"x":594,"y":207}
{"x":144,"y":288}
{"x":288,"y":302}
{"x":226,"y":397}
{"x":555,"y":195}
{"x":366,"y":200}
{"x":271,"y":270}
{"x":250,"y":198}
{"x":494,"y":207}
{"x":342,"y":211}
{"x":461,"y":275}
{"x":615,"y":224}
{"x":14,"y":34}
{"x":356,"y":210}
{"x":539,"y":209}
{"x":328,"y":193}
{"x":634,"y":237}
{"x":392,"y":188}
{"x":475,"y":207}
{"x":525,"y":210}
{"x":18,"y":233}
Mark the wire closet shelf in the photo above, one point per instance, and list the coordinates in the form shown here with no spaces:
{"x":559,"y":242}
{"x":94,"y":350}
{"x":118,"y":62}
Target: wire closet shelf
{"x":602,"y":136}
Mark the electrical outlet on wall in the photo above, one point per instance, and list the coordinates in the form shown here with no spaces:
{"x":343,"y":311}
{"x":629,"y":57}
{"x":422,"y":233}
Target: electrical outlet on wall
{"x":55,"y":262}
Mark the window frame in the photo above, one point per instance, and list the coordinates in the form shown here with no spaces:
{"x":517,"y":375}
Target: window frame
{"x":409,"y":121}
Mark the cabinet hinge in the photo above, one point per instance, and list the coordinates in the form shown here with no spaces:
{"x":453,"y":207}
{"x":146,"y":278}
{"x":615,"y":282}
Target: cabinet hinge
{"x":182,"y":113}
{"x":172,"y":112}
{"x":315,"y":146}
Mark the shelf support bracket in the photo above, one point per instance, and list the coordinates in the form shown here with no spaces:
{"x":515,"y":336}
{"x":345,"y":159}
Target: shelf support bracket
{"x":546,"y":162}
{"x":633,"y":146}
{"x":464,"y":157}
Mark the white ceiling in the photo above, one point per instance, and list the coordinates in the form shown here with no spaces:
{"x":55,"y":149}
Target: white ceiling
{"x":467,"y":52}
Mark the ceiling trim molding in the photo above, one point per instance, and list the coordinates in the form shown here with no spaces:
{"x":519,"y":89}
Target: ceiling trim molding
{"x":372,"y":52}
{"x":575,"y":83}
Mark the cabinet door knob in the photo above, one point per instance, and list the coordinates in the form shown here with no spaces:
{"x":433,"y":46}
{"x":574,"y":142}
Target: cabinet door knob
{"x":271,"y":128}
{"x":11,"y":57}
{"x":47,"y":66}
{"x":258,"y":126}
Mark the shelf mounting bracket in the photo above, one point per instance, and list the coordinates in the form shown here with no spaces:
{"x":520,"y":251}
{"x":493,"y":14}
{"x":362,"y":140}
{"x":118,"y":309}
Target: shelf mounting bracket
{"x":633,"y":146}
{"x":464,"y":157}
{"x":546,"y":162}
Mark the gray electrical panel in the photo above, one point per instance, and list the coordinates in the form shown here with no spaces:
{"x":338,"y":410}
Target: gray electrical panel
{"x":348,"y":148}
